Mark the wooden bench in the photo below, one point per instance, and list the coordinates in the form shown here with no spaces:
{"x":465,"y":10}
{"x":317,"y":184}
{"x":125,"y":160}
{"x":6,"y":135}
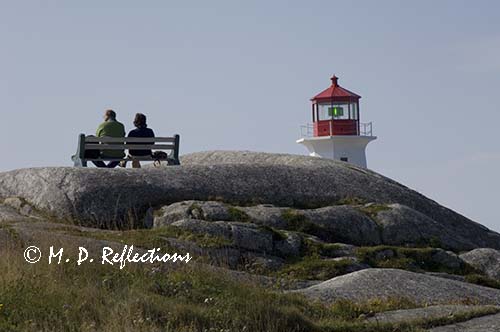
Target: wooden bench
{"x":86,"y":143}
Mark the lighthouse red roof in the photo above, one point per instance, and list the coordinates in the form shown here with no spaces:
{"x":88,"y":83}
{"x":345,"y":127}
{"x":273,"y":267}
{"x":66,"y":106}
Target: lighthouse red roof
{"x":335,"y":93}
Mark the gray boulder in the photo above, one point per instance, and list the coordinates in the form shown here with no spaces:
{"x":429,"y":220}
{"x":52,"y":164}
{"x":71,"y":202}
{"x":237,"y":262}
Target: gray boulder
{"x":490,"y":323}
{"x":332,"y":224}
{"x":344,"y":223}
{"x":431,"y":312}
{"x":447,"y":259}
{"x":9,"y":214}
{"x":403,"y":225}
{"x":243,"y":236}
{"x":422,"y":289}
{"x":266,"y":214}
{"x":201,"y":210}
{"x":290,"y":245}
{"x":485,"y":260}
{"x":339,"y":223}
{"x":121,"y":197}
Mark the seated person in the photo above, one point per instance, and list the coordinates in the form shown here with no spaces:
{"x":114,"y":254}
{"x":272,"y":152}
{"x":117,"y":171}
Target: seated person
{"x":110,"y":128}
{"x":141,"y":130}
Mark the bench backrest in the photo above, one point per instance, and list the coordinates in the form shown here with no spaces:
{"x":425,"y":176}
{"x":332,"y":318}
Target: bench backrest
{"x":86,"y":143}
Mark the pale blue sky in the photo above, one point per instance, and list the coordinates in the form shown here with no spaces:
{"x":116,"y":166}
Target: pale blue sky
{"x":239,"y":75}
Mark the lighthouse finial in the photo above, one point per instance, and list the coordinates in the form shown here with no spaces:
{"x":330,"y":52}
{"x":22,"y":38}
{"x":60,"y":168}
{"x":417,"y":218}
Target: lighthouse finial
{"x":334,"y":80}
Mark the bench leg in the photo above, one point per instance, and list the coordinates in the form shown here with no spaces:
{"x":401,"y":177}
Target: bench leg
{"x":77,"y":162}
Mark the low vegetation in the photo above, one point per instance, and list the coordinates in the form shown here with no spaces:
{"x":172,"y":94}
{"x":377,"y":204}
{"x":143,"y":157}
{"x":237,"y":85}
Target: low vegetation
{"x":152,"y":238}
{"x":479,"y":279}
{"x":316,"y":269}
{"x":94,"y":297}
{"x":351,"y":200}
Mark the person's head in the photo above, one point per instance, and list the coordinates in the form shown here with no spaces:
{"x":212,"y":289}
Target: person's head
{"x":109,"y":115}
{"x":140,"y":120}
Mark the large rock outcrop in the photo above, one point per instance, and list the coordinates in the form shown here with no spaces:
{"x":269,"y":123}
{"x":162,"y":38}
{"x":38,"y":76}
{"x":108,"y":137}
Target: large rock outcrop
{"x":485,"y":260}
{"x":332,"y":224}
{"x":121,"y":197}
{"x":357,"y":224}
{"x":372,"y":284}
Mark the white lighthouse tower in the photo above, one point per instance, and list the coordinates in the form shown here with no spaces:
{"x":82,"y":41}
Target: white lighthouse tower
{"x":336,"y":131}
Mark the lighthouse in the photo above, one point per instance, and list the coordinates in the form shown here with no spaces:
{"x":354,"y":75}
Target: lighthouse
{"x":336,"y":131}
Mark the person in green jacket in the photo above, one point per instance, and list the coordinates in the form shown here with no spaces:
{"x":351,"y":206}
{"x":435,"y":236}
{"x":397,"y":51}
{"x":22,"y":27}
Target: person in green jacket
{"x":110,"y":128}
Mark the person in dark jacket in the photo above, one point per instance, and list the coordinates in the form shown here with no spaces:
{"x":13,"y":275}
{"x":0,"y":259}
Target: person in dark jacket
{"x":141,"y":130}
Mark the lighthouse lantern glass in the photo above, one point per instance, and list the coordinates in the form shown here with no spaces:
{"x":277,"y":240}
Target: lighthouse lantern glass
{"x":337,"y":111}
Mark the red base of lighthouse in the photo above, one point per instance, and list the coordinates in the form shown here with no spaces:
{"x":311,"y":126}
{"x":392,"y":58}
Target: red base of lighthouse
{"x":335,"y":127}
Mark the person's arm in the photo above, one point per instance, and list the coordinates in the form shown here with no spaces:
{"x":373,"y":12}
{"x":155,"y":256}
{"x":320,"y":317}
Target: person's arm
{"x":123,"y":131}
{"x":98,"y":132}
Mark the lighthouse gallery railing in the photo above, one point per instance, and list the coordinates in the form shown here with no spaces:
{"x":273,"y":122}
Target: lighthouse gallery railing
{"x":365,"y":129}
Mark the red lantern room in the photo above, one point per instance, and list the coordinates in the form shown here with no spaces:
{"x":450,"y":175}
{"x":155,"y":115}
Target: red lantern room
{"x":335,"y":111}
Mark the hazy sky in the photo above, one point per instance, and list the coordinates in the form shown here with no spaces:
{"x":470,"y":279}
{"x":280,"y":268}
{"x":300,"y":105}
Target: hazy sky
{"x":239,"y":75}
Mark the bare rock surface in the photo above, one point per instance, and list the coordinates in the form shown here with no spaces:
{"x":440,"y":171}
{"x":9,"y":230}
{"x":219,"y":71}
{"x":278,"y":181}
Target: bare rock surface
{"x":485,"y":260}
{"x":8,"y":214}
{"x":394,"y":224}
{"x":246,"y":236}
{"x":490,"y":323}
{"x":392,"y":283}
{"x":332,"y":224}
{"x":404,"y":225}
{"x":431,"y":312}
{"x":103,"y":197}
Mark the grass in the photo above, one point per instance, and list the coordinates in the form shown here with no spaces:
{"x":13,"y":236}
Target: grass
{"x":319,"y":249}
{"x":12,"y":233}
{"x":152,"y":238}
{"x":94,"y":297}
{"x":348,"y":310}
{"x":478,"y":279}
{"x":315,"y":269}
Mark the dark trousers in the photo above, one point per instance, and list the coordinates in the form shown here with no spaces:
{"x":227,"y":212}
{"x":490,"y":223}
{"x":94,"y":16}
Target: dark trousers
{"x":112,"y":164}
